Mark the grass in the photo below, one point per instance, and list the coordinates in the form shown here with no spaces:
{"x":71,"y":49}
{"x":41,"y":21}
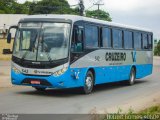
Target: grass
{"x":5,"y":45}
{"x":146,"y":114}
{"x":151,"y":110}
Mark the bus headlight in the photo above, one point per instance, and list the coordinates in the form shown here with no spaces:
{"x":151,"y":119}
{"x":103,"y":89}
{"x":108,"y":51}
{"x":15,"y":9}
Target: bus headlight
{"x":60,"y":72}
{"x":16,"y":70}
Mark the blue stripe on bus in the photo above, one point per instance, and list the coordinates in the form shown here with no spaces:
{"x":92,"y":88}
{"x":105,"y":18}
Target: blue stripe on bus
{"x":103,"y":75}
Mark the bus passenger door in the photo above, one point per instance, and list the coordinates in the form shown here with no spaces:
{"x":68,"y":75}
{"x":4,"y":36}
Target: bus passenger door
{"x":77,"y":43}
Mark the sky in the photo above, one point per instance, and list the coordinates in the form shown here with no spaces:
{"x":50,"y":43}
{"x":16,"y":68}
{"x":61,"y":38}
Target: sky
{"x":140,"y":13}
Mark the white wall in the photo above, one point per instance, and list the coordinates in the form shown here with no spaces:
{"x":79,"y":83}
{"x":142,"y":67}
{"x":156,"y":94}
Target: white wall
{"x":9,"y":20}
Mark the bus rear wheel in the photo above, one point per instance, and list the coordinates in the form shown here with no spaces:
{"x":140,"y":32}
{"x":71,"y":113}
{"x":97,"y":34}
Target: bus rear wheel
{"x":89,"y":83}
{"x":132,"y":76}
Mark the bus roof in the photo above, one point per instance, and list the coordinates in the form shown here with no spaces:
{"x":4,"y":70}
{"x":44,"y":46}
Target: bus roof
{"x":75,"y":18}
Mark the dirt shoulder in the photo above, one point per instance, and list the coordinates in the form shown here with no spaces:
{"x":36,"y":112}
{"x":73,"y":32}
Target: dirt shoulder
{"x":5,"y":74}
{"x":136,"y":105}
{"x":5,"y":45}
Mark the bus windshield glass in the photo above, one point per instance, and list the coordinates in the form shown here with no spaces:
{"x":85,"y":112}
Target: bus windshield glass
{"x":42,"y":41}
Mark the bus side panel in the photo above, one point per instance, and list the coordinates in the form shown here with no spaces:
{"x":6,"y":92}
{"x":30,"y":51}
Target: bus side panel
{"x":144,"y":63}
{"x":143,"y":70}
{"x":117,"y":69}
{"x":105,"y":74}
{"x":111,"y":74}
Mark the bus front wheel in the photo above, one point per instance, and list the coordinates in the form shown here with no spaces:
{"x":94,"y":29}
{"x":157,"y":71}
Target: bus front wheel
{"x":132,"y":76}
{"x":89,"y":83}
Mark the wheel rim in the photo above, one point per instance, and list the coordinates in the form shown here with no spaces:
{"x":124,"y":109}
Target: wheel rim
{"x":89,"y":82}
{"x":132,"y":77}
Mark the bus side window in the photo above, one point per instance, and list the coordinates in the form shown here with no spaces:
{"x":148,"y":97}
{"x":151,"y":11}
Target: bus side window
{"x":137,"y":40}
{"x":145,"y":41}
{"x":117,"y":38}
{"x":77,"y":40}
{"x":91,"y":36}
{"x":106,"y":37}
{"x":128,"y":42}
{"x":149,"y":41}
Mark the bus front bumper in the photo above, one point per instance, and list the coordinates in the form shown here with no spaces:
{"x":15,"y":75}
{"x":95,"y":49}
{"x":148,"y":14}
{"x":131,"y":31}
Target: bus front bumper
{"x":63,"y":81}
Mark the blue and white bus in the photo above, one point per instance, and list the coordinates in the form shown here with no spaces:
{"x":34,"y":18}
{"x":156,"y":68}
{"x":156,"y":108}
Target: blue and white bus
{"x":68,"y":51}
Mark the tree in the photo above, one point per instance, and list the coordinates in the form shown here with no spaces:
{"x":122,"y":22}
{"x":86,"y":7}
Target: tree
{"x":27,"y":6}
{"x":99,"y":14}
{"x":75,"y":11}
{"x":12,"y":7}
{"x":6,"y":6}
{"x":47,"y":7}
{"x":50,"y":7}
{"x":157,"y":49}
{"x":2,"y":12}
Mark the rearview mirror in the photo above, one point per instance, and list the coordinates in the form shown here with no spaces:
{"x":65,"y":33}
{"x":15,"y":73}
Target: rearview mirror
{"x":9,"y":38}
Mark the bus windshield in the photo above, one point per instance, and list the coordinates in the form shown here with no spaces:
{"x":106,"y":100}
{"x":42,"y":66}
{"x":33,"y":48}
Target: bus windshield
{"x":42,"y":41}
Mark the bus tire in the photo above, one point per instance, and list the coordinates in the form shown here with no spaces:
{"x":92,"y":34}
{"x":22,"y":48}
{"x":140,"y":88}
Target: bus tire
{"x":132,"y":75}
{"x":89,"y":83}
{"x":40,"y":89}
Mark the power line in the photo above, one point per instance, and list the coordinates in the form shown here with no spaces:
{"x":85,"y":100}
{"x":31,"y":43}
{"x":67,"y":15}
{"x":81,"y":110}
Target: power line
{"x":98,"y":4}
{"x":93,"y":4}
{"x":89,"y":7}
{"x":73,"y":5}
{"x":81,"y":7}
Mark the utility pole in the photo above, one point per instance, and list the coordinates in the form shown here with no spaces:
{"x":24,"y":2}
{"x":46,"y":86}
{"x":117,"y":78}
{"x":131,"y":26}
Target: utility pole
{"x":98,"y":4}
{"x":81,"y":7}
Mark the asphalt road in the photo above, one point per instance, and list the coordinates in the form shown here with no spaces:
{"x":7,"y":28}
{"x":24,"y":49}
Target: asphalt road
{"x":104,"y":97}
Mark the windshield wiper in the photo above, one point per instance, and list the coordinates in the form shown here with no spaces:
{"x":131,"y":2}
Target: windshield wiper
{"x":47,"y":50}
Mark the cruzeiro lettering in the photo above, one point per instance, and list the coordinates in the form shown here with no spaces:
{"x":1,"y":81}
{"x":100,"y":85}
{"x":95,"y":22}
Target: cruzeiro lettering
{"x":115,"y":56}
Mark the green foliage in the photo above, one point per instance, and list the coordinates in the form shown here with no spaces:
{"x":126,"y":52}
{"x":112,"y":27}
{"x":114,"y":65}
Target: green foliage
{"x":6,"y":6}
{"x":157,"y":49}
{"x":151,"y":110}
{"x":75,"y":11}
{"x":47,"y":7}
{"x":119,"y":111}
{"x":50,"y":7}
{"x":12,"y":7}
{"x":2,"y":12}
{"x":99,"y":14}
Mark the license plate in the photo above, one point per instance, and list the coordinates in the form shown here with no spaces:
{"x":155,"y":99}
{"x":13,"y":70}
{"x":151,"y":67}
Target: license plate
{"x":35,"y":82}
